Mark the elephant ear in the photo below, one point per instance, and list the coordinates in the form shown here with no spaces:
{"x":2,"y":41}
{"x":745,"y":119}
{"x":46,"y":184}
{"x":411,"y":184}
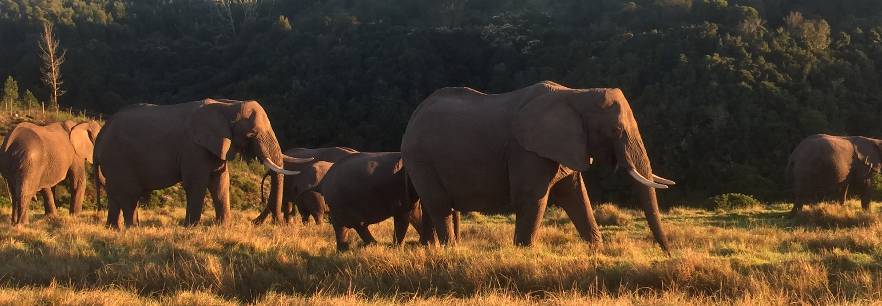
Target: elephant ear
{"x":548,"y":126}
{"x":82,"y":143}
{"x":210,"y":129}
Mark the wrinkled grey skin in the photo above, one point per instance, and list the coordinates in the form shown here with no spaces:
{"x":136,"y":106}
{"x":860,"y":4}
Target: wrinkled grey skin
{"x":148,"y":147}
{"x":297,"y":189}
{"x":36,"y":158}
{"x":367,"y":188}
{"x":501,"y":153}
{"x":822,"y":166}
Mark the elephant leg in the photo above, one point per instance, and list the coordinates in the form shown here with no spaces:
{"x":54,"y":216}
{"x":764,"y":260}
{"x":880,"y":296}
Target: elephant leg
{"x":78,"y":186}
{"x":843,"y":194}
{"x":436,"y":204}
{"x":220,"y":196}
{"x":49,"y":201}
{"x":401,"y":222}
{"x":195,"y":187}
{"x":571,"y":195}
{"x":341,"y":233}
{"x":288,"y":210}
{"x":195,"y":200}
{"x":365,"y":234}
{"x":866,"y":193}
{"x":21,"y":201}
{"x":527,"y":220}
{"x":129,"y":213}
{"x":456,"y":225}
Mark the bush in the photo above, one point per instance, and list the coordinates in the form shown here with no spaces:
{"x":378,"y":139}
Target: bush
{"x":729,"y":201}
{"x":609,"y":214}
{"x":829,"y":215}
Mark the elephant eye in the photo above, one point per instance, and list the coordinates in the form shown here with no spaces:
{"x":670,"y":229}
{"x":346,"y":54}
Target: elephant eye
{"x":250,"y":134}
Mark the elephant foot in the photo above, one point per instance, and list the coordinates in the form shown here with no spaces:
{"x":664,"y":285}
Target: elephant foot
{"x":343,"y":247}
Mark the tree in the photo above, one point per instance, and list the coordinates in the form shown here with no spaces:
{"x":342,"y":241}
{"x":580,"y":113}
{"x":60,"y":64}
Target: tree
{"x":30,"y":100}
{"x":52,"y":61}
{"x":10,"y":93}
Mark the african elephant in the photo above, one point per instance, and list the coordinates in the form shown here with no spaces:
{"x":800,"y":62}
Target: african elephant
{"x":822,"y":165}
{"x":501,"y":153}
{"x":36,"y":158}
{"x":148,"y":147}
{"x":297,"y":190}
{"x":367,"y":188}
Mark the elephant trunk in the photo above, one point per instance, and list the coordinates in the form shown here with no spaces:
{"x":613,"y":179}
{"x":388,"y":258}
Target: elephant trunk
{"x":271,"y":154}
{"x":632,"y":156}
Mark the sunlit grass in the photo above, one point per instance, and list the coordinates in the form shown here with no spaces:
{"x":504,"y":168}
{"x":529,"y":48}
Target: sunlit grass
{"x":751,"y":256}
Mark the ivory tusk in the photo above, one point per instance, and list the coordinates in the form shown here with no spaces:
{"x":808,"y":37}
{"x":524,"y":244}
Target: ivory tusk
{"x":659,"y":179}
{"x":296,"y":160}
{"x":272,"y":166}
{"x":642,"y":180}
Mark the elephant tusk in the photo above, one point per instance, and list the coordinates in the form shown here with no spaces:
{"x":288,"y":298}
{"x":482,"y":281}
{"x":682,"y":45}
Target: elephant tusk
{"x":642,"y":180}
{"x":659,"y":179}
{"x":296,"y":160}
{"x":269,"y":164}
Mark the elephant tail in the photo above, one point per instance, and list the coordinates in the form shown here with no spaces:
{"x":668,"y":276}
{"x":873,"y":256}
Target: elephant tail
{"x":410,"y":195}
{"x":96,"y":172}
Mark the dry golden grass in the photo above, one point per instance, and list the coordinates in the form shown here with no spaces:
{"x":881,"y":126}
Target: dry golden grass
{"x":609,"y":214}
{"x":753,"y":256}
{"x":833,"y":215}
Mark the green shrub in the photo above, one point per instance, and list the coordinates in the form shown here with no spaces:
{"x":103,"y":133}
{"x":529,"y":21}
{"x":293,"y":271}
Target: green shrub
{"x":729,"y":201}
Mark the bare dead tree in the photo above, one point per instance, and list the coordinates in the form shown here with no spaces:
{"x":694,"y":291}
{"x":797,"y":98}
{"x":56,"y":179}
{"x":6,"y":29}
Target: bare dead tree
{"x":52,"y":60}
{"x":247,"y":8}
{"x":225,"y":11}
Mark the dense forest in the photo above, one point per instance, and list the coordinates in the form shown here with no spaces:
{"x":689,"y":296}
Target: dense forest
{"x":723,"y":90}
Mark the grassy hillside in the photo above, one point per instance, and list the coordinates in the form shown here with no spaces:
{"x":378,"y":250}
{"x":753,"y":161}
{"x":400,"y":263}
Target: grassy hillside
{"x":752,"y":255}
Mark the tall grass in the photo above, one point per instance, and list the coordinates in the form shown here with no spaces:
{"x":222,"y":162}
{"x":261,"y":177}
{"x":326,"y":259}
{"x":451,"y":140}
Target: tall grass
{"x":717,"y":258}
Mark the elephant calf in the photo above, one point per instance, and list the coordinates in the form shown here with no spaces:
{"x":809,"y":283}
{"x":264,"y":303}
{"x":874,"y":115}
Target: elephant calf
{"x":298,"y":191}
{"x":36,"y":158}
{"x":822,"y":165}
{"x":367,"y":188}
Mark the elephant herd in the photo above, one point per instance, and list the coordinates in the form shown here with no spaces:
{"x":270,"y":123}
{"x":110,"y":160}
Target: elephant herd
{"x":462,"y":150}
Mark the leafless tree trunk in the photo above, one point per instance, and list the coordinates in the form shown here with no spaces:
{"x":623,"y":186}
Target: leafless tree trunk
{"x":52,"y":60}
{"x":248,"y":8}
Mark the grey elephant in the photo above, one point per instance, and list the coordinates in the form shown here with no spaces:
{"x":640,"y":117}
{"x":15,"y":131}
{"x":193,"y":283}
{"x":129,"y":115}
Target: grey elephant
{"x":508,"y":153}
{"x":367,"y":188}
{"x":822,"y":166}
{"x":298,"y":191}
{"x":37,"y":158}
{"x":148,"y":147}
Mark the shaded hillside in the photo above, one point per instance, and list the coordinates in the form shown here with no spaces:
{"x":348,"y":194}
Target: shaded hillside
{"x":722,"y":89}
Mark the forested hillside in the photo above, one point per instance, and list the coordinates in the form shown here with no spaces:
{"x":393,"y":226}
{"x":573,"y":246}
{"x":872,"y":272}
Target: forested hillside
{"x":722,"y":90}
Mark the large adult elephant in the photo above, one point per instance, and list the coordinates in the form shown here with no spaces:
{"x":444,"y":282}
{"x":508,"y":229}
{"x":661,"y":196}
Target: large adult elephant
{"x":823,"y":165}
{"x":500,"y":153}
{"x":148,"y":147}
{"x":298,"y":192}
{"x":38,"y":157}
{"x":367,"y":188}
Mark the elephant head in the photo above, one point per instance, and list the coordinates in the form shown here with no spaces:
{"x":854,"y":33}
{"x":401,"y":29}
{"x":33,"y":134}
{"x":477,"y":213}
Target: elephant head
{"x":227,"y":127}
{"x":869,"y":152}
{"x":574,"y":126}
{"x":83,"y":136}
